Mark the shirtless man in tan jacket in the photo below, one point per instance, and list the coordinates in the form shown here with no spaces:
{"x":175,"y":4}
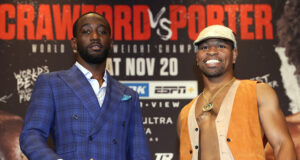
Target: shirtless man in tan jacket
{"x":231,"y":118}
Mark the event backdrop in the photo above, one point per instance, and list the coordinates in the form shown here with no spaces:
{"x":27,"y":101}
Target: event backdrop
{"x":152,"y":53}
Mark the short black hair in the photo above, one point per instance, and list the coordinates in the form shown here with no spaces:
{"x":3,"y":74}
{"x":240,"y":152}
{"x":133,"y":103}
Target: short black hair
{"x":76,"y":22}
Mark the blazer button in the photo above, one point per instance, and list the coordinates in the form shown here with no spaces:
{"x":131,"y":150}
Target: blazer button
{"x":115,"y":141}
{"x":228,"y":140}
{"x":196,"y":129}
{"x":191,"y":151}
{"x":196,"y":147}
{"x":75,"y":116}
{"x":90,"y":138}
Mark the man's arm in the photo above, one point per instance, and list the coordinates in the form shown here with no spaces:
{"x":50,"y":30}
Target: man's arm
{"x":178,"y":127}
{"x":274,"y":124}
{"x":37,"y":123}
{"x":138,"y":145}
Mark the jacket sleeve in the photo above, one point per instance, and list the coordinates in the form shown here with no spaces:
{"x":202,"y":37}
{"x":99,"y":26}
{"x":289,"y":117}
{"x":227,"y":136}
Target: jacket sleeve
{"x":138,"y":145}
{"x":38,"y":122}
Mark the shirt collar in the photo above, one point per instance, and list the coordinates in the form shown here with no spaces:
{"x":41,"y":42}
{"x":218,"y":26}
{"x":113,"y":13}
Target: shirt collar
{"x":87,"y":73}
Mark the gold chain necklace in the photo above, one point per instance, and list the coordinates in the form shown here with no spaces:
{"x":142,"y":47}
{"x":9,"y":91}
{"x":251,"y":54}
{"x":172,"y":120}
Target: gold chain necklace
{"x":209,"y":106}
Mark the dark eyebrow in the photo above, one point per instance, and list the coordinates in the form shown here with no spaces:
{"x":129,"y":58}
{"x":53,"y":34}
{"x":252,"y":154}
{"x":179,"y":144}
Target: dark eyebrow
{"x":102,"y":25}
{"x":228,"y":42}
{"x":222,"y":40}
{"x":202,"y":43}
{"x":99,"y":25}
{"x":87,"y":24}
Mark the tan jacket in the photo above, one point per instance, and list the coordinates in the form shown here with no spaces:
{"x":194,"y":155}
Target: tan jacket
{"x":244,"y":136}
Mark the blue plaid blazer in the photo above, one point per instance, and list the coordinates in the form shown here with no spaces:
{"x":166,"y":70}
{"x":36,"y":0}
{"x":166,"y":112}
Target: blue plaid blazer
{"x":64,"y":105}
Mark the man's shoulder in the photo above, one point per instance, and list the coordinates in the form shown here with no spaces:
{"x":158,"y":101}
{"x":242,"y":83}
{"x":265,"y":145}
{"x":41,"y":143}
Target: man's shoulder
{"x":257,"y":83}
{"x":53,"y":76}
{"x":248,"y":81}
{"x":188,"y":106}
{"x":121,"y":86}
{"x":55,"y":73}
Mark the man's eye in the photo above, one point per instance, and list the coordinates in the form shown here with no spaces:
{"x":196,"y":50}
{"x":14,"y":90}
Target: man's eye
{"x":102,"y":32}
{"x":203,"y":47}
{"x":222,"y":46}
{"x":86,"y":31}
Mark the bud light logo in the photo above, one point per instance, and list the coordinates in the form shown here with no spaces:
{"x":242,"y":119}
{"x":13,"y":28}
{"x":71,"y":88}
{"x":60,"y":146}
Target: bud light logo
{"x":141,"y":88}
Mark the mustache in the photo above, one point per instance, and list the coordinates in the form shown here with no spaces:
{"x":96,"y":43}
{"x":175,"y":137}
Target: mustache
{"x":95,"y":44}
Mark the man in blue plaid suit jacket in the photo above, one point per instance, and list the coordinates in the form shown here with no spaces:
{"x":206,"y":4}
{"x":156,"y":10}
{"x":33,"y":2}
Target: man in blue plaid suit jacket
{"x":88,"y":113}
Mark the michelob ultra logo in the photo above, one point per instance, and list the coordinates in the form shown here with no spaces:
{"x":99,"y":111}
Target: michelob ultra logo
{"x":164,"y":89}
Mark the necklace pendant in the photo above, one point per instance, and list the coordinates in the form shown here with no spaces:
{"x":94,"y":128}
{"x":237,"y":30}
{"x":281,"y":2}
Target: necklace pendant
{"x":207,"y":107}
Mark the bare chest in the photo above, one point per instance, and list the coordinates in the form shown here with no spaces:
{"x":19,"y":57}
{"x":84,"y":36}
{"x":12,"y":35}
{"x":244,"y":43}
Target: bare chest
{"x":206,"y":118}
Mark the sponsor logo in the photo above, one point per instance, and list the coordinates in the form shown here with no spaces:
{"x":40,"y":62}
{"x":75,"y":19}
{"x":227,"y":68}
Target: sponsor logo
{"x":164,"y":156}
{"x":169,"y":89}
{"x":141,"y":88}
{"x":164,"y":89}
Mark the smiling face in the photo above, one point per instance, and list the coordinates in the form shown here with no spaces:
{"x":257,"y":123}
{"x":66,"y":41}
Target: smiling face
{"x":93,"y":40}
{"x":216,"y":57}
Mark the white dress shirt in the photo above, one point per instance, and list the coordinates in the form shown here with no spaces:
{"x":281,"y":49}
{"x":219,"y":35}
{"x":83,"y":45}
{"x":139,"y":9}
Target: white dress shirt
{"x":99,"y":91}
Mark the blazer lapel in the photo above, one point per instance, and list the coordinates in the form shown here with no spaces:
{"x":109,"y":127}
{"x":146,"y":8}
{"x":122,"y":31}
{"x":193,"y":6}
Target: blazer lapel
{"x":112,"y":100}
{"x":75,"y":79}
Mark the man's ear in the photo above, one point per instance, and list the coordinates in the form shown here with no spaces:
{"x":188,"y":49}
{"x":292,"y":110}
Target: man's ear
{"x":234,"y":54}
{"x":74,"y":44}
{"x":111,"y":44}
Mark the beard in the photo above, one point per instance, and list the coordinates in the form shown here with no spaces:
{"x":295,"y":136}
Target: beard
{"x":212,"y":73}
{"x":93,"y":58}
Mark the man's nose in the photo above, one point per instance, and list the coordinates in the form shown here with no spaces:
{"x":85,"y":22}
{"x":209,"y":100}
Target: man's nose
{"x":95,"y":36}
{"x":212,"y":50}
